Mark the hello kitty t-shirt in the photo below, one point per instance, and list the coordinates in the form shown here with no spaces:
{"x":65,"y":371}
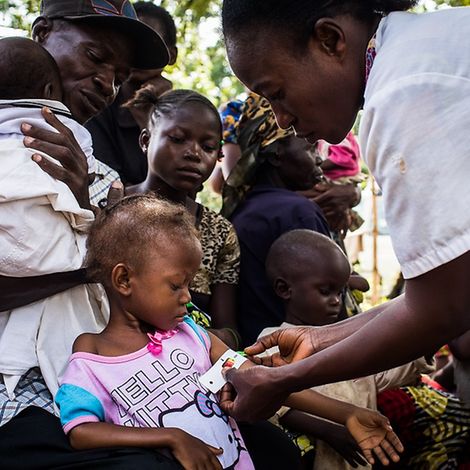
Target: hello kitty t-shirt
{"x":146,"y":390}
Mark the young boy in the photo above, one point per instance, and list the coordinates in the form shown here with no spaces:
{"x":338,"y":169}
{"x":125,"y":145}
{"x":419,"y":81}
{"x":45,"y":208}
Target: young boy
{"x":309,"y":272}
{"x":42,"y":226}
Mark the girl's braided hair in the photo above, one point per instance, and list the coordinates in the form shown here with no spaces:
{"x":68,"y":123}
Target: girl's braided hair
{"x":148,"y":100}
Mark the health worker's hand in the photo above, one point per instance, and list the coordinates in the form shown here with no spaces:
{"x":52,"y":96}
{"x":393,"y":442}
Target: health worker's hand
{"x":259,"y":393}
{"x":294,"y":344}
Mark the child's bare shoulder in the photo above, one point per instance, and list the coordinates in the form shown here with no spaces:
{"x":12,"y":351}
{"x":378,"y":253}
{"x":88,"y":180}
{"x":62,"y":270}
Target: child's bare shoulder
{"x":86,"y":342}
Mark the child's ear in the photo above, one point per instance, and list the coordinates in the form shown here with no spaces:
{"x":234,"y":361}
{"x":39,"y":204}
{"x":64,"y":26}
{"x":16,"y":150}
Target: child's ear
{"x":48,"y":91}
{"x":330,"y":37}
{"x":41,"y":29}
{"x":144,"y":139}
{"x":120,"y":279}
{"x":282,"y":289}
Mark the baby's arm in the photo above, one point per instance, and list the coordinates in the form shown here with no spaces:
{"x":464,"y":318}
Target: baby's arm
{"x":370,"y":429}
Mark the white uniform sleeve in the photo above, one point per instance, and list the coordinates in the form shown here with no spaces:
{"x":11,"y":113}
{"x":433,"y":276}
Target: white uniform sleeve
{"x":415,"y":136}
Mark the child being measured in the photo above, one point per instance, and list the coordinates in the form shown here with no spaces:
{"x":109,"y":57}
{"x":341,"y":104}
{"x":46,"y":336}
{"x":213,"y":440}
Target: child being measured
{"x":137,"y":382}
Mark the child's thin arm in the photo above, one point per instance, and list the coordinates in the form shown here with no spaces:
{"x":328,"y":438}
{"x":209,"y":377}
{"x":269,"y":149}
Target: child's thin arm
{"x":94,"y":435}
{"x":320,"y":405}
{"x":370,"y":429}
{"x":189,"y":451}
{"x":336,"y":436}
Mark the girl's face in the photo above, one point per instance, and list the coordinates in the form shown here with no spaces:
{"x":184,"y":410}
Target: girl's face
{"x":315,"y":91}
{"x":299,"y":164}
{"x":184,"y":146}
{"x":160,"y":289}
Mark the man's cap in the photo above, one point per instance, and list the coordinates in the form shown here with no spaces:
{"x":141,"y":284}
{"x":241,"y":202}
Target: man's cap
{"x":150,"y":52}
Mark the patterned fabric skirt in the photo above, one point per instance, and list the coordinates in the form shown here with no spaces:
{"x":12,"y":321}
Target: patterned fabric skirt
{"x":434,"y":426}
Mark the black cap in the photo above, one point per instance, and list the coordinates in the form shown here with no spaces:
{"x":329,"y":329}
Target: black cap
{"x":151,"y":52}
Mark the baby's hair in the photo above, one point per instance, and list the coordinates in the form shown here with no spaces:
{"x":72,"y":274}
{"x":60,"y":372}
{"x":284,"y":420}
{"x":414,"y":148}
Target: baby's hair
{"x":127,"y":231}
{"x":26,"y":69}
{"x":150,"y":10}
{"x":147,"y":99}
{"x":292,"y":250}
{"x":296,"y":18}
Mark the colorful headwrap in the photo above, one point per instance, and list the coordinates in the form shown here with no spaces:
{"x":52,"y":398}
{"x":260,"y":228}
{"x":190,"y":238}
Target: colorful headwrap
{"x":258,"y":134}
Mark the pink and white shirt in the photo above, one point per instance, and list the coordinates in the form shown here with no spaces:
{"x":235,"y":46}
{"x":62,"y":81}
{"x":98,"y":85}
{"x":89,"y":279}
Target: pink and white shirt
{"x":141,"y":389}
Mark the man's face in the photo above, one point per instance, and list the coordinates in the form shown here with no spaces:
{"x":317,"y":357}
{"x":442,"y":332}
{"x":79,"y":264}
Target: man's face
{"x":93,"y":62}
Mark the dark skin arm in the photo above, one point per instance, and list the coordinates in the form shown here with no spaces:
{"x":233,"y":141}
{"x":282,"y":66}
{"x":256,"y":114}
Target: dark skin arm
{"x":16,"y":292}
{"x":445,"y":377}
{"x":336,"y":436}
{"x":411,"y":326}
{"x":298,"y":343}
{"x":460,"y":347}
{"x":370,"y":429}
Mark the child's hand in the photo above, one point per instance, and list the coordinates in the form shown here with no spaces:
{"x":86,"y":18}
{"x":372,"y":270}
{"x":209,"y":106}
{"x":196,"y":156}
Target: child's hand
{"x":373,"y":433}
{"x":343,"y":443}
{"x":193,"y":454}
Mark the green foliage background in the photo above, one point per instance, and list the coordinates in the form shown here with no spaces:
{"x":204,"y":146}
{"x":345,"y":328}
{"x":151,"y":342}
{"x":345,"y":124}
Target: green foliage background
{"x":201,"y":64}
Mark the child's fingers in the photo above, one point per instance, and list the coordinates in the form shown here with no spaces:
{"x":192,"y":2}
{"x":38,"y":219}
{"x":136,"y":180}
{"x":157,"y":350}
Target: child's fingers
{"x":368,"y":455}
{"x":215,"y":450}
{"x":381,"y":455}
{"x":394,"y":441}
{"x":390,"y":450}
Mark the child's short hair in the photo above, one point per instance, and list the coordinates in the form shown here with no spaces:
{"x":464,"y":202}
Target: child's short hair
{"x":26,"y":69}
{"x":292,"y":250}
{"x":148,"y":100}
{"x":150,"y":10}
{"x":128,"y":230}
